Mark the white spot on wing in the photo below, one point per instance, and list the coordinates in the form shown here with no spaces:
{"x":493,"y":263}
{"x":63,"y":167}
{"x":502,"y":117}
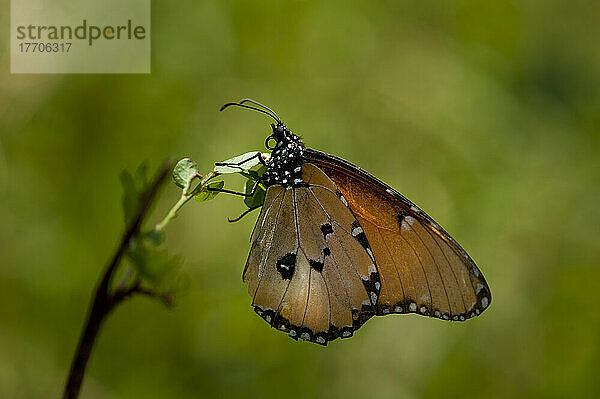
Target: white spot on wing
{"x":346,"y":334}
{"x":321,"y":340}
{"x":344,"y":200}
{"x":414,"y":209}
{"x":373,"y":297}
{"x":304,"y":336}
{"x":377,"y":285}
{"x":385,"y":311}
{"x":479,"y":288}
{"x":484,"y":302}
{"x":357,"y":231}
{"x":398,"y":309}
{"x":412,"y":307}
{"x":372,"y":268}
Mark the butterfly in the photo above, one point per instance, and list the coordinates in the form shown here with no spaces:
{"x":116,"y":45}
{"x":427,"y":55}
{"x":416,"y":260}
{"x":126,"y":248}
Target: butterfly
{"x":334,"y":246}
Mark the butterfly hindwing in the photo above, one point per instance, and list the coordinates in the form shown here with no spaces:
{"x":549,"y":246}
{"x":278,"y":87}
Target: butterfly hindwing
{"x":345,"y":266}
{"x":309,"y":271}
{"x":422,"y":269}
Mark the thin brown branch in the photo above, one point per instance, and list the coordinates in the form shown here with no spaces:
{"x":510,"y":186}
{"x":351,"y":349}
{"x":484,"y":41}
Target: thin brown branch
{"x":121,"y":294}
{"x":104,"y":301}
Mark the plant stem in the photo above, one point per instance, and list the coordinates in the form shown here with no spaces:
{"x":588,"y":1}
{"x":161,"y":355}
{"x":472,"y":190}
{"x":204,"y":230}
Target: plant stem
{"x":104,"y":301}
{"x":185,"y":197}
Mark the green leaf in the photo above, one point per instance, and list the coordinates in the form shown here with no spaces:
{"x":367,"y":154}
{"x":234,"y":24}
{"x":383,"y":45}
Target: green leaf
{"x":130,"y":196}
{"x":141,"y":177}
{"x":134,"y":185}
{"x":154,"y":237}
{"x":254,"y":173}
{"x":184,"y":172}
{"x":259,"y":171}
{"x":247,"y":161}
{"x":152,"y":262}
{"x":259,"y":195}
{"x":206,"y":195}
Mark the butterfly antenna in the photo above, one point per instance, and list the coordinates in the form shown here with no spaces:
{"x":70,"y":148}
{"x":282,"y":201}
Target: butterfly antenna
{"x":240,"y":104}
{"x":261,"y":105}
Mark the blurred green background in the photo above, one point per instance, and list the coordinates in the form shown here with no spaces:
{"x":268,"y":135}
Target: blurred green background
{"x":486,"y":114}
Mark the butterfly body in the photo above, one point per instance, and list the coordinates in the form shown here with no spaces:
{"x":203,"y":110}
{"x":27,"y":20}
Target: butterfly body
{"x":285,"y":163}
{"x":334,"y":246}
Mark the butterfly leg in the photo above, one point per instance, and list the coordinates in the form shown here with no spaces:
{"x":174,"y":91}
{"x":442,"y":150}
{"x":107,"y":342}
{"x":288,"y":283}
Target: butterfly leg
{"x":247,"y":211}
{"x":250,"y":194}
{"x":220,"y":190}
{"x":238,"y":164}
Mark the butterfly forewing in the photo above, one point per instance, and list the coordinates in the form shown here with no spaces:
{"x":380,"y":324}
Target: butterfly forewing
{"x":422,"y":269}
{"x":272,"y":194}
{"x":277,"y":260}
{"x":310,"y":270}
{"x":262,"y":237}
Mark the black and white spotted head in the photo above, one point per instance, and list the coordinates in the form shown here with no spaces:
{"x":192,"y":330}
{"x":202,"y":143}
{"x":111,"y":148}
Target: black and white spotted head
{"x":285,"y":165}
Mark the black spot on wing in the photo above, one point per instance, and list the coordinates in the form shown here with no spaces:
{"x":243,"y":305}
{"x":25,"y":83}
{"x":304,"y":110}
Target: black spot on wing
{"x":267,"y":314}
{"x":400,"y":219}
{"x":326,"y":252}
{"x":317,"y":265}
{"x":359,"y":235}
{"x":359,"y":317}
{"x":327,"y":229}
{"x":286,"y":265}
{"x":373,"y":287}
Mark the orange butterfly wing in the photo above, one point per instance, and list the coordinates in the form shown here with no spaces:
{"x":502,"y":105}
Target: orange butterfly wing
{"x":422,"y":269}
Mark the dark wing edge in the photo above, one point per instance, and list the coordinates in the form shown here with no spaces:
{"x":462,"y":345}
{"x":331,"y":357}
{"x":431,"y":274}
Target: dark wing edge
{"x":482,"y":293}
